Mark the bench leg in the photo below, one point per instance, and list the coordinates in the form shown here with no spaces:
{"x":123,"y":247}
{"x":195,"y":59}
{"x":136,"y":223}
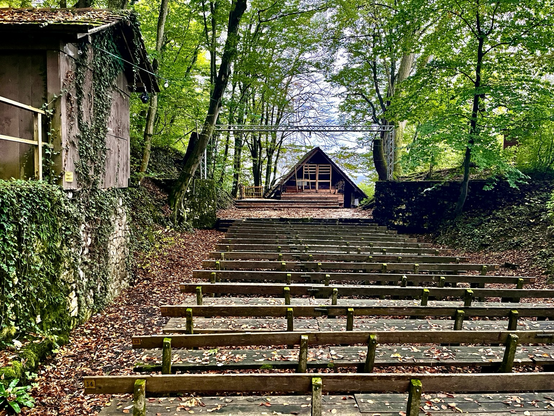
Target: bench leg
{"x":317,"y":398}
{"x":414,"y":398}
{"x":139,"y":398}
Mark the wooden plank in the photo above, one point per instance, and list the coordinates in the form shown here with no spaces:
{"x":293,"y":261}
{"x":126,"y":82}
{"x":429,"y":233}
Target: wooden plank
{"x":321,"y":291}
{"x":316,"y":248}
{"x":341,"y":338}
{"x":264,"y":238}
{"x":301,"y":383}
{"x":330,"y":242}
{"x":318,"y":266}
{"x":323,"y":256}
{"x":525,"y":310}
{"x":21,"y":105}
{"x":273,"y":275}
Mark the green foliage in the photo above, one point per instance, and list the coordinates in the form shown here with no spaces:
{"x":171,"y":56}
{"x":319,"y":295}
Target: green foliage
{"x":37,"y":223}
{"x":483,"y":81}
{"x":14,"y":397}
{"x":550,"y":209}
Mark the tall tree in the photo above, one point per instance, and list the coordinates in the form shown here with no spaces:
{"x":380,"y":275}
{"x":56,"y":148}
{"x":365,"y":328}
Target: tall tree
{"x":153,"y":107}
{"x":198,"y":143}
{"x":370,"y":52}
{"x":483,"y":75}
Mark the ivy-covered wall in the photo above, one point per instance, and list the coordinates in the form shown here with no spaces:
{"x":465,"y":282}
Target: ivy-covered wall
{"x":62,"y":256}
{"x":422,"y":206}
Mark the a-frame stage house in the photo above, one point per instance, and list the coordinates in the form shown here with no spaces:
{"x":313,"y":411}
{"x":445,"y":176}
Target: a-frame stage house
{"x":318,"y":178}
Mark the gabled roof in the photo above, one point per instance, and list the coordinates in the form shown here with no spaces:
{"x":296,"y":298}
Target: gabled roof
{"x":72,"y":25}
{"x":305,"y":159}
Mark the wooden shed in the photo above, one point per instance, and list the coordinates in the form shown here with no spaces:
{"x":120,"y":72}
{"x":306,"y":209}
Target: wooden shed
{"x":66,"y":76}
{"x":317,"y":174}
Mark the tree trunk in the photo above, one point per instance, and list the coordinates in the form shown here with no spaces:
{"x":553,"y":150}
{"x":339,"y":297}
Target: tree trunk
{"x":406,"y":64}
{"x":153,"y":107}
{"x":473,"y":126}
{"x":379,"y":158}
{"x":195,"y":150}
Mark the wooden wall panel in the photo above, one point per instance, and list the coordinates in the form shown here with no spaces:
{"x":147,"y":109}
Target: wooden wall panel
{"x":117,"y":140}
{"x":22,"y":78}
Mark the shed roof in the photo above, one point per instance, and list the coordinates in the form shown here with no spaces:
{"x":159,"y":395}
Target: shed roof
{"x":306,"y":158}
{"x":71,"y":25}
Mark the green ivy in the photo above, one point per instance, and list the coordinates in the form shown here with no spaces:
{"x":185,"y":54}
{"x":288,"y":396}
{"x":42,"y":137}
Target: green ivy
{"x":37,"y":224}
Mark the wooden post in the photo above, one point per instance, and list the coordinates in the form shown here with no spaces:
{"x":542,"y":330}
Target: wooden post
{"x":290,"y":319}
{"x":404,"y":281}
{"x":512,"y":322}
{"x":424,"y":297}
{"x":414,"y":397}
{"x":222,"y":254}
{"x":38,"y":139}
{"x":416,"y":268}
{"x":166,"y":356}
{"x":350,"y":319}
{"x":509,"y":354}
{"x":212,"y":277}
{"x":199,"y":295}
{"x":139,"y":398}
{"x":283,"y":266}
{"x":468,"y":298}
{"x":303,"y":355}
{"x":370,"y":358}
{"x":289,"y":278}
{"x":228,"y":248}
{"x":189,"y":329}
{"x":317,"y":385}
{"x":286,"y":292}
{"x":459,"y":320}
{"x":334,"y":296}
{"x":327,"y":278}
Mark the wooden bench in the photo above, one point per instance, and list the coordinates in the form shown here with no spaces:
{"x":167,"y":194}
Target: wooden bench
{"x":312,"y":265}
{"x":142,"y":386}
{"x":359,"y":242}
{"x":320,"y":291}
{"x":315,"y":238}
{"x":348,"y":248}
{"x":377,"y":353}
{"x":457,"y":314}
{"x":417,"y":279}
{"x":325,"y":256}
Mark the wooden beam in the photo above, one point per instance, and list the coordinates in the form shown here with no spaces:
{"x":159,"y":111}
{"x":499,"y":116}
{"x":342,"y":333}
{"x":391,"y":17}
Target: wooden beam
{"x":341,"y":337}
{"x":301,"y":383}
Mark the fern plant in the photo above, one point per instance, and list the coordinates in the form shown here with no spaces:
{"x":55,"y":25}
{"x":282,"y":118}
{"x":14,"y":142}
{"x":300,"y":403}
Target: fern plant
{"x":13,"y":397}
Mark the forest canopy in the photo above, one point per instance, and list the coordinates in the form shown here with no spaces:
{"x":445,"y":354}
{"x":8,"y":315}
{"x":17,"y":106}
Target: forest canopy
{"x":465,"y":84}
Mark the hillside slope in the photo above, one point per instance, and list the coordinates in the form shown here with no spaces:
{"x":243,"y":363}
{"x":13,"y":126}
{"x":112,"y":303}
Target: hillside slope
{"x":518,"y":235}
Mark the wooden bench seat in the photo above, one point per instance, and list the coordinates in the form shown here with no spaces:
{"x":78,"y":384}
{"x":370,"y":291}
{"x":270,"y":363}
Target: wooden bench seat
{"x":322,"y":291}
{"x":314,"y":352}
{"x":415,"y":384}
{"x":417,"y":279}
{"x":295,"y":248}
{"x":439,"y":404}
{"x":325,"y":256}
{"x":345,"y":265}
{"x":226,"y":325}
